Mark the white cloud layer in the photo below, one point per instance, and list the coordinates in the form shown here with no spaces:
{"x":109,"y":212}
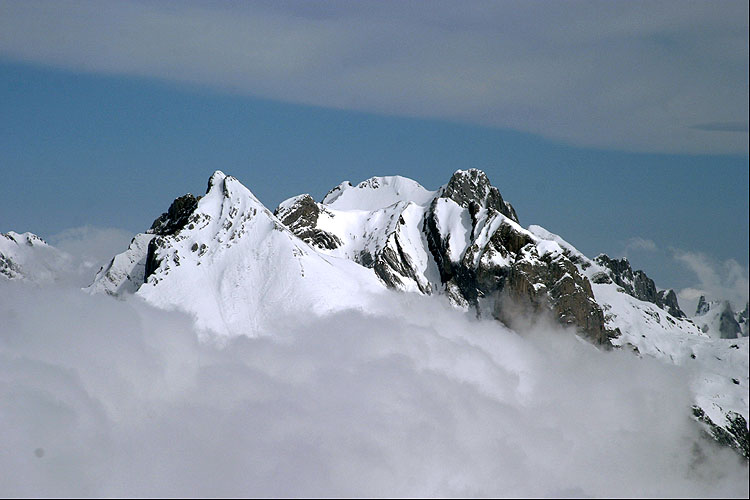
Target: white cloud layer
{"x":90,"y":247}
{"x":646,"y":76}
{"x":105,"y":397}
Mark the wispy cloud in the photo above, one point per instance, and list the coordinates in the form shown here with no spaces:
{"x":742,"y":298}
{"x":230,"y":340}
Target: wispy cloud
{"x":626,"y":75}
{"x":640,"y":244}
{"x":727,"y":280}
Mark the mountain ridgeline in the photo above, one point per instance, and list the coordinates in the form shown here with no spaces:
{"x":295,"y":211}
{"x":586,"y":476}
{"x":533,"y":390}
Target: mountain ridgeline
{"x":484,"y":259}
{"x":238,"y":268}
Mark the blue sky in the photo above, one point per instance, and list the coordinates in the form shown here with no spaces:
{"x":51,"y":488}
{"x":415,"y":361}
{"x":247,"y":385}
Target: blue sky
{"x":625,"y":133}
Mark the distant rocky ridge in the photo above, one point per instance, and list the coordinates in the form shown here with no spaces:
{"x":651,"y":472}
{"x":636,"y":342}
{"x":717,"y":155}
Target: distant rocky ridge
{"x":638,"y":284}
{"x":718,"y":318}
{"x":28,"y":257}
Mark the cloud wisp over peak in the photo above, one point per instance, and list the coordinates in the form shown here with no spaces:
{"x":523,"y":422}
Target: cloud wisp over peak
{"x":630,"y":76}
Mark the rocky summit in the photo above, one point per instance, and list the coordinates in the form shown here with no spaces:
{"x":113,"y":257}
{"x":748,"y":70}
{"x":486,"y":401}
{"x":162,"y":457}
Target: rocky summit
{"x":464,"y":241}
{"x":237,"y":267}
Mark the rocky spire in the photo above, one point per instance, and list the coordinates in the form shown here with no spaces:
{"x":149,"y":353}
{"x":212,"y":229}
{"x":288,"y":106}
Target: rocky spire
{"x":639,"y":285}
{"x":703,"y":306}
{"x":728,"y":326}
{"x":472,"y":189}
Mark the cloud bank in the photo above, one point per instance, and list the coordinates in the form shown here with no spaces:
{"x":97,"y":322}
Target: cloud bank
{"x":640,"y":76}
{"x":105,"y":397}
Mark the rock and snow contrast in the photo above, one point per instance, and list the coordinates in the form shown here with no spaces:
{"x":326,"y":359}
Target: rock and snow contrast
{"x":719,"y":319}
{"x":234,"y":266}
{"x":238,"y":269}
{"x":27,"y":256}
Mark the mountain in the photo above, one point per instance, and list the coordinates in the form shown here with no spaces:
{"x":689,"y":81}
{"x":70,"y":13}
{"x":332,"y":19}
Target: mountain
{"x":237,"y":268}
{"x":28,"y":257}
{"x":228,"y":261}
{"x":462,"y":240}
{"x":718,"y":318}
{"x":637,"y":284}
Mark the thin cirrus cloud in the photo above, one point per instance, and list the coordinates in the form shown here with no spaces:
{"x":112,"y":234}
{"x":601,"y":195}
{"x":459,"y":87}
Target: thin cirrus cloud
{"x":616,"y":75}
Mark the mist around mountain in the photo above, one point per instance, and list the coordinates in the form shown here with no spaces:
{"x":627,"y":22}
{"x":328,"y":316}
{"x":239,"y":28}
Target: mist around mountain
{"x":388,"y":340}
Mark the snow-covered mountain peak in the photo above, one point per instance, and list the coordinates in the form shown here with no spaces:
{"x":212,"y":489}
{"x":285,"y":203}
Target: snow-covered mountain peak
{"x":377,"y":192}
{"x":471,"y":189}
{"x":27,"y":256}
{"x":228,"y":261}
{"x":216,"y":178}
{"x":719,"y":319}
{"x":28,"y":239}
{"x":239,"y":269}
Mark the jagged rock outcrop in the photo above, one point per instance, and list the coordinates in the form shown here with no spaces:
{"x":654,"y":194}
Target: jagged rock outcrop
{"x":553,"y":281}
{"x":743,"y":319}
{"x":463,"y":239}
{"x":639,"y":285}
{"x":504,"y":265}
{"x":703,"y":306}
{"x":176,"y":217}
{"x":734,"y":435}
{"x":301,"y":217}
{"x":472,"y":189}
{"x":719,"y":319}
{"x":167,"y":224}
{"x":667,"y":300}
{"x":728,"y":325}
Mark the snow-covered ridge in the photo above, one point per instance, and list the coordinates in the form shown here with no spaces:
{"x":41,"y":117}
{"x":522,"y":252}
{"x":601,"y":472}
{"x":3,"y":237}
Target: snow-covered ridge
{"x":717,"y":318}
{"x":377,"y":192}
{"x":27,"y":256}
{"x":237,"y":268}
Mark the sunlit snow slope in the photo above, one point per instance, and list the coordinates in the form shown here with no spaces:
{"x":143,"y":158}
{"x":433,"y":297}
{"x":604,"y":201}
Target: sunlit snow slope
{"x":239,"y":269}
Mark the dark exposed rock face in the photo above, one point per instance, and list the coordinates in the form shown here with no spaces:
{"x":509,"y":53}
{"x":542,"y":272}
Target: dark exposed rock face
{"x":667,"y":300}
{"x":639,"y":285}
{"x":703,"y":306}
{"x":552,"y":282}
{"x":728,"y":325}
{"x":301,"y":217}
{"x":167,"y":224}
{"x":174,"y":219}
{"x":507,"y":269}
{"x":734,"y":435}
{"x":744,"y":320}
{"x":472,"y":189}
{"x":394,"y":266}
{"x":8,"y":268}
{"x":635,"y":283}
